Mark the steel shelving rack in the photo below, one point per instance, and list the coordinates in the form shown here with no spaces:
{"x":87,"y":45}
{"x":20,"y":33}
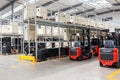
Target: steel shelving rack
{"x":19,"y":44}
{"x":39,"y":22}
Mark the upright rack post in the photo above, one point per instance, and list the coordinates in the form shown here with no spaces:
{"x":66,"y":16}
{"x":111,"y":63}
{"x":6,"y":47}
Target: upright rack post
{"x":59,"y":31}
{"x":1,"y":32}
{"x":23,"y":27}
{"x":36,"y":43}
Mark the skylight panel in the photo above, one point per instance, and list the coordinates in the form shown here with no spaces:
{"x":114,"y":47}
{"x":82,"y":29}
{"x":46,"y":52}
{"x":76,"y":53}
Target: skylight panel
{"x":97,"y":4}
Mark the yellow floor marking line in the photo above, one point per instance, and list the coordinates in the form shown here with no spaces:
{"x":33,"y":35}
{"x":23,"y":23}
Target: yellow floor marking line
{"x":112,"y":75}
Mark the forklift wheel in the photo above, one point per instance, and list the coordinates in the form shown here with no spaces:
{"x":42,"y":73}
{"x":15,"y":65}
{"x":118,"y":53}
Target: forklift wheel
{"x":90,"y":56}
{"x":70,"y":58}
{"x":101,"y":65}
{"x":80,"y":58}
{"x":96,"y":54}
{"x":118,"y":65}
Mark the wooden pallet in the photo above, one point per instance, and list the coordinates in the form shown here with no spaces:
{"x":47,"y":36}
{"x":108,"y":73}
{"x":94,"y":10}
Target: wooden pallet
{"x":51,"y":19}
{"x":69,"y":22}
{"x":39,"y":17}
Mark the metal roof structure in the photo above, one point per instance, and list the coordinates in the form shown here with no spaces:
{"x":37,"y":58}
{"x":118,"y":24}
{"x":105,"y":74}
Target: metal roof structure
{"x":74,"y":6}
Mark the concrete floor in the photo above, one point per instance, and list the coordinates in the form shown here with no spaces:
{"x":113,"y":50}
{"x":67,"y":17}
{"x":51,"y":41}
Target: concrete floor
{"x":64,"y":69}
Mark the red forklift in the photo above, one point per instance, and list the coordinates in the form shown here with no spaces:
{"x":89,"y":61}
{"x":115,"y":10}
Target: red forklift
{"x":80,"y":50}
{"x":109,"y":54}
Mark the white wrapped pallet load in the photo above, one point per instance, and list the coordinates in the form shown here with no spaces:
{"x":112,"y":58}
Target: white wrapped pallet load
{"x":20,"y":30}
{"x":48,"y":45}
{"x":78,"y":20}
{"x":26,"y":36}
{"x":65,"y":35}
{"x":60,"y":17}
{"x":32,"y":32}
{"x":29,"y":34}
{"x":73,"y":19}
{"x":88,"y":21}
{"x":41,"y":30}
{"x":61,"y":32}
{"x":92,"y":23}
{"x":67,"y":17}
{"x":42,"y":12}
{"x":107,"y":26}
{"x":100,"y":25}
{"x":32,"y":35}
{"x":5,"y":29}
{"x":97,"y":24}
{"x":56,"y":30}
{"x":29,"y":11}
{"x":83,"y":21}
{"x":48,"y":31}
{"x":57,"y":45}
{"x":14,"y":26}
{"x":65,"y":44}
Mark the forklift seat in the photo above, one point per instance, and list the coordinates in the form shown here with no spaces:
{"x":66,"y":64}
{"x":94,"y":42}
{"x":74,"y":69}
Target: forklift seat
{"x":109,"y":44}
{"x":77,"y":44}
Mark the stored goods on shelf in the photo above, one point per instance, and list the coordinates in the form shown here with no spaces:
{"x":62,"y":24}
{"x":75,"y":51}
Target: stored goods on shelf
{"x":42,"y":12}
{"x":14,"y":26}
{"x":60,"y":17}
{"x":67,"y":18}
{"x":31,"y":12}
{"x":83,"y":21}
{"x":75,"y":19}
{"x":6,"y":29}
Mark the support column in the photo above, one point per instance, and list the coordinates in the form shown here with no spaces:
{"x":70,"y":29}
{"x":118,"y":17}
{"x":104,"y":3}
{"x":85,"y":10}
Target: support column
{"x":12,"y":9}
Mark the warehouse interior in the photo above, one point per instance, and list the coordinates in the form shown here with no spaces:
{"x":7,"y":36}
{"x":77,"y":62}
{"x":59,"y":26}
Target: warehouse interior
{"x":60,"y":39}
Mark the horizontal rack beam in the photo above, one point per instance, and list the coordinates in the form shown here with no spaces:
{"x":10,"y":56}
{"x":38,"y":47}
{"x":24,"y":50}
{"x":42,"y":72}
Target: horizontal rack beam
{"x":65,"y":25}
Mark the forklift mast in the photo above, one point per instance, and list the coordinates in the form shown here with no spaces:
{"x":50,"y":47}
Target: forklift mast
{"x":85,"y":33}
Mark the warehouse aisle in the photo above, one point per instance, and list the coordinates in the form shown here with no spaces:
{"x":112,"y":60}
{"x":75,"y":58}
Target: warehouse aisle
{"x":64,"y":69}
